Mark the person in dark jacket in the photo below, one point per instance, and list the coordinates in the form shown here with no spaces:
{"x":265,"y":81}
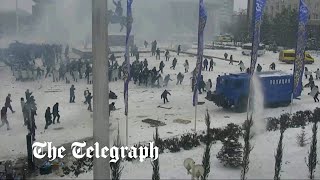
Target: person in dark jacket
{"x":112,"y":59}
{"x":205,"y":64}
{"x":48,"y":70}
{"x":174,"y":63}
{"x":211,"y":65}
{"x":28,"y":95}
{"x":88,"y":99}
{"x":55,"y":113}
{"x":86,"y":93}
{"x":158,"y":54}
{"x":259,"y":68}
{"x":180,"y":78}
{"x":4,"y":117}
{"x":231,"y":60}
{"x":145,"y":63}
{"x":164,"y":96}
{"x":273,"y":66}
{"x":112,"y":95}
{"x":112,"y":107}
{"x":225,"y":56}
{"x":72,"y":94}
{"x":48,"y":118}
{"x":167,"y":55}
{"x":248,"y":71}
{"x":179,"y":50}
{"x":8,"y":103}
{"x":161,"y":66}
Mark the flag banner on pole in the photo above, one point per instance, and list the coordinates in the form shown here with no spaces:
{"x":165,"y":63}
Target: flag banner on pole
{"x":197,"y":73}
{"x":126,"y":69}
{"x":300,"y":49}
{"x":256,"y":23}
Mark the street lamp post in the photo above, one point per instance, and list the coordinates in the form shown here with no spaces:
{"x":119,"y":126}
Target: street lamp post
{"x":101,"y":168}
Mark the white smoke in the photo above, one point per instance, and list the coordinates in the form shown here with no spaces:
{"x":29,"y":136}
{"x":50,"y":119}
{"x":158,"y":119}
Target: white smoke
{"x":258,"y":106}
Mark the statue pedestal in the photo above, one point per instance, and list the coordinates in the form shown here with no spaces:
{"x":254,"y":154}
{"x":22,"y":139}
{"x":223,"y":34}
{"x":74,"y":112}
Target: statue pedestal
{"x":120,"y":40}
{"x":113,"y":41}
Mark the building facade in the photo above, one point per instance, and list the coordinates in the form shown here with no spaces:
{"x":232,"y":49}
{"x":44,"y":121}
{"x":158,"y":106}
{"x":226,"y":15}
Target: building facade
{"x":43,"y":12}
{"x":220,"y":12}
{"x":274,"y":7}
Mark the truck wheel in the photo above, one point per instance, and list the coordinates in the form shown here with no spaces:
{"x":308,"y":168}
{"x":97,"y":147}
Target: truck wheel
{"x":242,"y":105}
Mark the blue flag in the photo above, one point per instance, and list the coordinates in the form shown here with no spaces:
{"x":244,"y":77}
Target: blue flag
{"x":126,"y":69}
{"x":256,"y":23}
{"x":197,"y":73}
{"x":300,"y":49}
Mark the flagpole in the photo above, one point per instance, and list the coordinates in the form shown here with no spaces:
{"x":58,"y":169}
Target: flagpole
{"x":300,"y":50}
{"x":127,"y":69}
{"x":197,"y":71}
{"x":195,"y":118}
{"x":291,"y":104}
{"x":127,"y":130}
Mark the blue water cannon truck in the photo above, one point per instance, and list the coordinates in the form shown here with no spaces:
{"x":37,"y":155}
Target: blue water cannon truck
{"x":232,"y":91}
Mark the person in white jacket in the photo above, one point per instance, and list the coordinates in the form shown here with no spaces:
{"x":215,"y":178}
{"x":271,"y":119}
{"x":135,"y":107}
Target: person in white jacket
{"x":208,"y":85}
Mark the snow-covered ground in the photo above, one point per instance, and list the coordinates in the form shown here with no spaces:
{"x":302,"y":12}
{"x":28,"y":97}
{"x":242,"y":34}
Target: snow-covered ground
{"x":76,"y":121}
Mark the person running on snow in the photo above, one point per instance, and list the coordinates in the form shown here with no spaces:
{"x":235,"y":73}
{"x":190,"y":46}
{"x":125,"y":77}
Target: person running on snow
{"x":306,"y":72}
{"x":211,"y":65}
{"x":119,"y":9}
{"x":48,"y":118}
{"x":174,"y":63}
{"x":167,"y":55}
{"x":225,"y":56}
{"x":179,"y":50}
{"x":85,"y":93}
{"x":88,"y":99}
{"x":166,"y":80}
{"x":273,"y":66}
{"x":161,"y":66}
{"x":317,"y":74}
{"x":112,"y":107}
{"x":145,"y":63}
{"x":4,"y":118}
{"x":55,"y":113}
{"x":231,"y":60}
{"x":72,"y":94}
{"x":180,"y":78}
{"x":158,"y":54}
{"x":28,"y":95}
{"x":164,"y":96}
{"x":242,"y":67}
{"x":146,"y":44}
{"x":205,"y":64}
{"x":8,"y":103}
{"x":314,"y":93}
{"x":186,"y":66}
{"x":208,"y":85}
{"x":259,"y":68}
{"x":24,"y":111}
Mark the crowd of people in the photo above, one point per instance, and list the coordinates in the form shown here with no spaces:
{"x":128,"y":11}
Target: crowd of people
{"x":140,"y":74}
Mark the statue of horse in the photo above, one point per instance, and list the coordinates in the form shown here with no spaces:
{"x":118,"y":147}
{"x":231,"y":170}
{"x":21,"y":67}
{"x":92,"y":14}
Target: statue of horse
{"x":115,"y":19}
